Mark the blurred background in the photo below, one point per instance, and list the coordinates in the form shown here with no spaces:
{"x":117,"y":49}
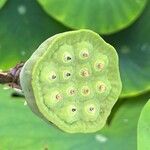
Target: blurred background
{"x":25,"y":24}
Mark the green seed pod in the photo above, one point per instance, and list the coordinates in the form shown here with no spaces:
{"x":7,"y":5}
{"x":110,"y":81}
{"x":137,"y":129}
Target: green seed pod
{"x":72,"y":80}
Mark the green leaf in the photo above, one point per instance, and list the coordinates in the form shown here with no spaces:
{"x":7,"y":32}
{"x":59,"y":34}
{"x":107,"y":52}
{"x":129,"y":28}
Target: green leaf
{"x":2,"y":2}
{"x":102,"y":16}
{"x":23,"y":27}
{"x":144,"y":128}
{"x":21,"y":129}
{"x":133,"y":46}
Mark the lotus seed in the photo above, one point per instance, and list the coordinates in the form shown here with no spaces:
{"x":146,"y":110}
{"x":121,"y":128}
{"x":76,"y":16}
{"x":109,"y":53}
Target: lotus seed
{"x":91,"y":108}
{"x":85,"y":91}
{"x":58,"y":96}
{"x":66,"y":75}
{"x":84,"y":73}
{"x":67,"y":58}
{"x":53,"y":76}
{"x":101,"y":62}
{"x":69,"y":113}
{"x":52,"y":98}
{"x":99,"y":65}
{"x":84,"y":54}
{"x":102,"y":87}
{"x":72,"y":92}
{"x":73,"y":109}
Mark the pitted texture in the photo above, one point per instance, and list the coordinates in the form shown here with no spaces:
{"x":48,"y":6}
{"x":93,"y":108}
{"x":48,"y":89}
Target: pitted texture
{"x":75,"y":81}
{"x":72,"y":77}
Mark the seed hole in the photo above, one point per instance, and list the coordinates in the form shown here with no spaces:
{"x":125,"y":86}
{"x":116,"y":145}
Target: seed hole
{"x":100,"y":66}
{"x":85,"y":91}
{"x":91,"y":108}
{"x":73,"y":109}
{"x":68,"y":74}
{"x":68,"y":58}
{"x":53,"y":77}
{"x":85,"y":55}
{"x":85,"y":73}
{"x":102,"y":87}
{"x":72,"y":92}
{"x":58,"y":96}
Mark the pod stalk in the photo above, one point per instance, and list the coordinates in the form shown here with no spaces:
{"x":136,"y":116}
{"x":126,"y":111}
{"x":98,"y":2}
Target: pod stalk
{"x":11,"y":77}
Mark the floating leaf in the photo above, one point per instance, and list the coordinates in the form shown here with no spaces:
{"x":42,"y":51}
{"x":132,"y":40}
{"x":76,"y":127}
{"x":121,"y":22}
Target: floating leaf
{"x":144,"y":128}
{"x":133,"y":46}
{"x":21,"y":129}
{"x":102,"y":16}
{"x":2,"y":2}
{"x":23,"y":27}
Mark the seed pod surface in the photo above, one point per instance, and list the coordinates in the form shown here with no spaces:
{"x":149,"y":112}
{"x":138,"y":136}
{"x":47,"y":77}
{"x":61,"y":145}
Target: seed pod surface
{"x":72,"y":80}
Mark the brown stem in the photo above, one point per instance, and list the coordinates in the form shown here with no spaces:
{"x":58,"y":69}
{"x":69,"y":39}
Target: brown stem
{"x":11,"y":77}
{"x":5,"y":78}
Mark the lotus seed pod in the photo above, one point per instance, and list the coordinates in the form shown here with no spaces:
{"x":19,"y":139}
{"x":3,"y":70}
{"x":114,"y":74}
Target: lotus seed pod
{"x":72,"y":80}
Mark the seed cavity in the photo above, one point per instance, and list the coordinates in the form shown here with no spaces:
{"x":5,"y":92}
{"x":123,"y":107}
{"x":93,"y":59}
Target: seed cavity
{"x":71,"y":91}
{"x":85,"y":90}
{"x":101,"y":87}
{"x":67,"y":58}
{"x":53,"y":76}
{"x":74,"y":109}
{"x":99,"y":65}
{"x":53,"y":98}
{"x":84,"y":72}
{"x":84,"y":54}
{"x":66,"y":74}
{"x":58,"y":96}
{"x":69,"y":112}
{"x":91,"y":109}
